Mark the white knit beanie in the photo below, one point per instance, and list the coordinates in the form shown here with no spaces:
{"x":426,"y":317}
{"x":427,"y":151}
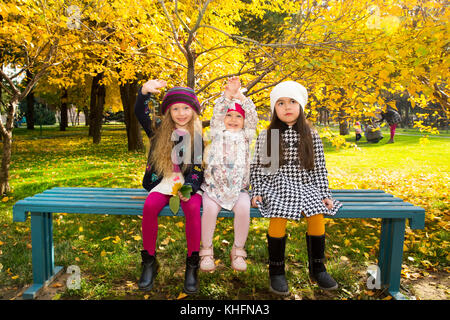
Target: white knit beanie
{"x":289,"y":89}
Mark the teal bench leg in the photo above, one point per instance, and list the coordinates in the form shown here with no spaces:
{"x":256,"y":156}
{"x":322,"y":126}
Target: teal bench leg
{"x":42,"y":253}
{"x":391,"y":255}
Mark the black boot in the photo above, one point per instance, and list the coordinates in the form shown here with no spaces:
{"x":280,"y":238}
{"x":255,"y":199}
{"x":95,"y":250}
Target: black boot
{"x":190,"y":276}
{"x":149,"y":271}
{"x":316,"y":259}
{"x":278,"y":283}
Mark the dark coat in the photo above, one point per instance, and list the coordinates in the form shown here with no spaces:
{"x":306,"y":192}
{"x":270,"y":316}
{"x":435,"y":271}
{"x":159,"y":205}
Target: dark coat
{"x":193,"y":174}
{"x":391,"y":116}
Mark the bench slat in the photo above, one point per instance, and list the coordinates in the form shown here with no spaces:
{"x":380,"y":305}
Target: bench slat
{"x":142,"y":197}
{"x":129,"y":208}
{"x":126,"y":199}
{"x":65,"y":189}
{"x":139,"y":192}
{"x":46,"y":205}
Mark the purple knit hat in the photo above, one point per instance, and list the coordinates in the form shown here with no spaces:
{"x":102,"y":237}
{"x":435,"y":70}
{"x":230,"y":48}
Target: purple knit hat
{"x":180,"y":95}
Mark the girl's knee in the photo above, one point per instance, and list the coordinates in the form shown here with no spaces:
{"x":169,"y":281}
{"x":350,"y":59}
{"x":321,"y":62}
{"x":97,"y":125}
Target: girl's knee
{"x":277,"y":227}
{"x":242,"y":212}
{"x":316,"y":225}
{"x":192,"y":206}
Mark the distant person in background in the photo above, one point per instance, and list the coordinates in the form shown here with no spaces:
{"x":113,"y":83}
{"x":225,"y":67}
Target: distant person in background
{"x":392,"y":117}
{"x":358,"y":131}
{"x":372,"y":132}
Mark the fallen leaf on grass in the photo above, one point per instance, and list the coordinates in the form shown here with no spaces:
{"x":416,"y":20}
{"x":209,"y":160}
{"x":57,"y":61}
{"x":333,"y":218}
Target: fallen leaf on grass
{"x":56,"y":285}
{"x":182,"y":295}
{"x":56,"y":296}
{"x":179,"y":224}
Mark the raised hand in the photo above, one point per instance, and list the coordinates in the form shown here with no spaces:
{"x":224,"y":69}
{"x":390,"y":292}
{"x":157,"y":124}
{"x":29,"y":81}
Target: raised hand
{"x":232,"y":89}
{"x":153,"y":86}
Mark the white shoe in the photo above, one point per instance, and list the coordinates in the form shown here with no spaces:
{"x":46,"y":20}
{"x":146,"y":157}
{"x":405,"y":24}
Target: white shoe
{"x":237,"y":257}
{"x":207,"y":259}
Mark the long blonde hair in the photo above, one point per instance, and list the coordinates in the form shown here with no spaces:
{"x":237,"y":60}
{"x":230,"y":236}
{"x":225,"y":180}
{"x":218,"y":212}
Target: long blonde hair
{"x":161,"y":144}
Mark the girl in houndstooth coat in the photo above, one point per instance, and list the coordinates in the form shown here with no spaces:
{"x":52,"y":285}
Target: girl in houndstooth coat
{"x":289,"y":180}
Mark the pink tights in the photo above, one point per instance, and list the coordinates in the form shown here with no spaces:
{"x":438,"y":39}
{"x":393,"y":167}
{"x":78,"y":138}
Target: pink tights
{"x":393,"y":127}
{"x":153,"y":205}
{"x":241,"y":219}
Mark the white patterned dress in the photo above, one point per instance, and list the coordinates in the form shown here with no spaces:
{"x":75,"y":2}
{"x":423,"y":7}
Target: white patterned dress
{"x":228,"y":157}
{"x":290,"y":190}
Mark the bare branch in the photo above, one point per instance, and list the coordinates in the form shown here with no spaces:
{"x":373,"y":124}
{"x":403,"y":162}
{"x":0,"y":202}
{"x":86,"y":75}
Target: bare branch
{"x":323,"y":46}
{"x":259,"y":78}
{"x":13,"y":87}
{"x":179,"y":17}
{"x":223,"y":77}
{"x":197,"y":23}
{"x":212,"y":60}
{"x":174,"y":30}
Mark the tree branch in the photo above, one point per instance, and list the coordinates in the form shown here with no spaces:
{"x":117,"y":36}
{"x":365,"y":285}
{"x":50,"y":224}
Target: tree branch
{"x":13,"y":87}
{"x":174,"y":30}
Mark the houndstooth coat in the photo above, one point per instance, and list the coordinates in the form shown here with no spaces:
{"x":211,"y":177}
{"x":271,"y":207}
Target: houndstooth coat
{"x":291,"y":190}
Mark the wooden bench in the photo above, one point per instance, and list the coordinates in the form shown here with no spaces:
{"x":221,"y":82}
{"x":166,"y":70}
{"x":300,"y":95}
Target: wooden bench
{"x":356,"y":204}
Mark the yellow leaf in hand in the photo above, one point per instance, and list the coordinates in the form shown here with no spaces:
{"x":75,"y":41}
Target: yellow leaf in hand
{"x":176,"y":187}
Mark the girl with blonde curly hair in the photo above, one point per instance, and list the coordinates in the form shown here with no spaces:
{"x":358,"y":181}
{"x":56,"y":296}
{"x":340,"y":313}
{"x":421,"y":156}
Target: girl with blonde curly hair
{"x":174,"y":160}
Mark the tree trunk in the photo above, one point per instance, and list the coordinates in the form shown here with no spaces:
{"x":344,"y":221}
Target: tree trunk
{"x":98,"y":92}
{"x":190,"y":57}
{"x":7,"y":143}
{"x":128,"y":93}
{"x":29,"y":114}
{"x":86,"y":116}
{"x":6,"y":161}
{"x":92,"y":104}
{"x":343,"y":123}
{"x":63,"y":124}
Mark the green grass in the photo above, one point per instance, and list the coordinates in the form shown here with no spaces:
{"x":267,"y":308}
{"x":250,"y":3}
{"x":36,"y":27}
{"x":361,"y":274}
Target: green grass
{"x":107,"y":248}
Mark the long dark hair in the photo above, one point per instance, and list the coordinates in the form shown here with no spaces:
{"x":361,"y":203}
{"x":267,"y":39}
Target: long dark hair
{"x":305,"y":147}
